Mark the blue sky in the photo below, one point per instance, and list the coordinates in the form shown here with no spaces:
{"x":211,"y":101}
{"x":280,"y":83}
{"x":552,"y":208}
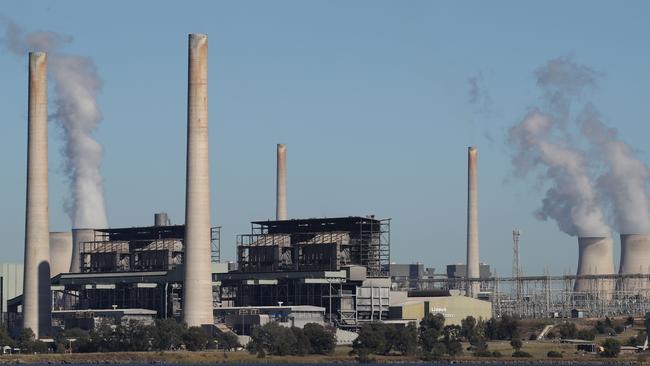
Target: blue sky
{"x":371,"y":98}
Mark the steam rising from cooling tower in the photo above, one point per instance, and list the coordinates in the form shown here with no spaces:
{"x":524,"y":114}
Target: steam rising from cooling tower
{"x":625,"y":178}
{"x":571,"y":200}
{"x":281,"y":185}
{"x":76,"y":85}
{"x":197,"y":282}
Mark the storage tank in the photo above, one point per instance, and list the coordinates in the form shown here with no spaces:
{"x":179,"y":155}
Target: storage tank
{"x":60,"y":252}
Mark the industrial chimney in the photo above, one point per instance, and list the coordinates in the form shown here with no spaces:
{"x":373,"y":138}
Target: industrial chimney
{"x":60,"y":252}
{"x":635,"y":258}
{"x":473,"y":270}
{"x":595,"y":257}
{"x":281,"y":184}
{"x":37,"y":303}
{"x":79,"y":236}
{"x":197,"y":283}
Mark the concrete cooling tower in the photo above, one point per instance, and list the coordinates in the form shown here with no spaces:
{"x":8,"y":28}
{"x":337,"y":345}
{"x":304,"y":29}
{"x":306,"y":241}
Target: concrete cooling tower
{"x":635,"y":258}
{"x":595,"y":256}
{"x":60,"y":252}
{"x":79,"y":236}
{"x":37,"y":300}
{"x":197,"y":282}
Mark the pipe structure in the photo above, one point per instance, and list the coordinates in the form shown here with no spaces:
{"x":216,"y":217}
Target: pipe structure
{"x":635,"y":258}
{"x":37,"y":305}
{"x":79,"y":236}
{"x":281,"y":184}
{"x":60,"y":252}
{"x":595,"y":257}
{"x":197,"y":283}
{"x":473,"y":268}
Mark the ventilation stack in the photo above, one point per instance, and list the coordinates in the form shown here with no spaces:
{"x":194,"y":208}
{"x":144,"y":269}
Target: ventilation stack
{"x":281,"y":184}
{"x":197,"y":283}
{"x":79,"y":236}
{"x":37,"y":303}
{"x":595,"y":257}
{"x":635,"y":259}
{"x":60,"y":252}
{"x":473,"y":269}
{"x":160,"y":219}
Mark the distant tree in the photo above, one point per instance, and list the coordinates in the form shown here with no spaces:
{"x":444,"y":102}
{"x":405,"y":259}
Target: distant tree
{"x":612,"y":347}
{"x":586,"y":334}
{"x":167,"y":334}
{"x":455,"y":348}
{"x":322,"y":340}
{"x":468,"y":328}
{"x":516,"y":344}
{"x":431,"y":328}
{"x":405,"y":339}
{"x":372,"y":338}
{"x":196,"y":339}
{"x":629,"y":321}
{"x":567,"y":330}
{"x":273,"y":339}
{"x":227,"y":341}
{"x":302,"y":345}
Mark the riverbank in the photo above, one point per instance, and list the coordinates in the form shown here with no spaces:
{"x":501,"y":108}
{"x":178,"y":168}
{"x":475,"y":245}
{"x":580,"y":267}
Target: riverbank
{"x":537,"y":349}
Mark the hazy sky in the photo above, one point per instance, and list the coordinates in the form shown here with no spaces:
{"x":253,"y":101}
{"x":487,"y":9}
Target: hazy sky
{"x":372,"y":98}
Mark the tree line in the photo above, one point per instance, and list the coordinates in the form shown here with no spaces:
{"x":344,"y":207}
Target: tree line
{"x":162,"y":335}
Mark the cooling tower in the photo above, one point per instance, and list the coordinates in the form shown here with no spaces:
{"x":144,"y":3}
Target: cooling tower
{"x":281,"y":184}
{"x":595,"y":256}
{"x":60,"y":252}
{"x":79,"y":236}
{"x":37,"y":303}
{"x":473,"y":270}
{"x":197,"y":283}
{"x":635,"y":258}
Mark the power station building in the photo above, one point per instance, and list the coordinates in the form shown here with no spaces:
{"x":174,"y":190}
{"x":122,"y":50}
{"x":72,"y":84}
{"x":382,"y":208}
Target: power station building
{"x":339,"y":264}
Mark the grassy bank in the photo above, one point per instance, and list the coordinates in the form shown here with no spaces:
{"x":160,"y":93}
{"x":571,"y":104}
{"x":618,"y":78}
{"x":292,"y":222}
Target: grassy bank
{"x":537,"y":349}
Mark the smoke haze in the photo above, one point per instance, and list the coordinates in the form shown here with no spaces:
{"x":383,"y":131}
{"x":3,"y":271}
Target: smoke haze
{"x":76,"y":85}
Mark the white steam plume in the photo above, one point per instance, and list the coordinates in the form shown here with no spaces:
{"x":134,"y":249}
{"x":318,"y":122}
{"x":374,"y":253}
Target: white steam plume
{"x":76,"y":85}
{"x":625,"y":179}
{"x":571,"y":200}
{"x":542,"y":142}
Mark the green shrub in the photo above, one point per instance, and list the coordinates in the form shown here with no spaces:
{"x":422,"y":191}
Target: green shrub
{"x":612,"y":348}
{"x":521,"y":354}
{"x":554,"y":354}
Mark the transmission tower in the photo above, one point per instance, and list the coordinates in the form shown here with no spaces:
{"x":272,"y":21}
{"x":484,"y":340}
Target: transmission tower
{"x":516,"y":268}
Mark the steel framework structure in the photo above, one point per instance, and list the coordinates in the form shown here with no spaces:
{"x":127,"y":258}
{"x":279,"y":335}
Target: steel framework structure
{"x":553,"y":296}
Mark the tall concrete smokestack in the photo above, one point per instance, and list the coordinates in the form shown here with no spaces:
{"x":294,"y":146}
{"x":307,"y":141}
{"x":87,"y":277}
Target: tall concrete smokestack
{"x":79,"y":236}
{"x":197,"y":285}
{"x":60,"y":252}
{"x":635,"y":258}
{"x":473,"y":270}
{"x":37,"y":301}
{"x":281,"y":184}
{"x":595,"y":256}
